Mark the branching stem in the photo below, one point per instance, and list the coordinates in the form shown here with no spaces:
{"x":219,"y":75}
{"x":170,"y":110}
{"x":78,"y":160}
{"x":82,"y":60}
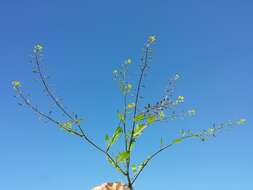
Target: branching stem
{"x":144,"y":67}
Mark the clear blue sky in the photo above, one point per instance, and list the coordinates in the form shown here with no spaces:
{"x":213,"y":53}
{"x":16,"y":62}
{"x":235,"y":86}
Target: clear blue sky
{"x":209,"y":43}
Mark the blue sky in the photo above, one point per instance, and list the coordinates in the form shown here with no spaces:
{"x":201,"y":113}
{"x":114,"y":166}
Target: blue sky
{"x":208,"y":42}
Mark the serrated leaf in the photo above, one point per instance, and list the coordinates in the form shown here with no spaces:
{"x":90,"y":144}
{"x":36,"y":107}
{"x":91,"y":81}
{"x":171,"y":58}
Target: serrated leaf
{"x":139,"y":129}
{"x":122,"y":156}
{"x":139,"y":117}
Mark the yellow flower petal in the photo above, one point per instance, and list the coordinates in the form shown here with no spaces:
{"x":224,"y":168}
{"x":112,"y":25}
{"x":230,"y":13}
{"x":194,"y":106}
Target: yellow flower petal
{"x":129,"y":61}
{"x":180,"y":98}
{"x":152,"y":39}
{"x":15,"y":84}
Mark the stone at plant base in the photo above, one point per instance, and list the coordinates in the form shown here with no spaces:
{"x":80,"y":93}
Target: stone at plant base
{"x":111,"y":186}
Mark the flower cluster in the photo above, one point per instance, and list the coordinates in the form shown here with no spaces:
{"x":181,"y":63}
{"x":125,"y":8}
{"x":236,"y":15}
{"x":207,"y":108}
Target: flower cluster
{"x":152,"y":39}
{"x":166,"y":102}
{"x":38,"y":48}
{"x":16,"y":84}
{"x":120,"y":76}
{"x":180,"y":99}
{"x":217,"y":128}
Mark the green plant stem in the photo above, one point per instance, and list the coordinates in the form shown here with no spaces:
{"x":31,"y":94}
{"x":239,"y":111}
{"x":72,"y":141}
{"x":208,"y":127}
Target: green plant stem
{"x":49,"y":92}
{"x":155,"y":154}
{"x":135,"y":112}
{"x":124,"y":123}
{"x":83,"y":136}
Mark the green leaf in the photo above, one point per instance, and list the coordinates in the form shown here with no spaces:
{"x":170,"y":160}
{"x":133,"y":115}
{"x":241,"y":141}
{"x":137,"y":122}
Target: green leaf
{"x":161,"y":143}
{"x":139,"y":117}
{"x":132,"y":145}
{"x":139,"y":129}
{"x":132,"y":105}
{"x":110,"y":161}
{"x":66,"y":125}
{"x":161,"y":115}
{"x":134,"y":168}
{"x":78,"y":121}
{"x":151,"y":119}
{"x":113,"y":164}
{"x":107,"y":138}
{"x":241,"y":121}
{"x":120,"y":116}
{"x":182,"y":132}
{"x":116,"y":135}
{"x":114,"y":138}
{"x":123,"y":156}
{"x":176,"y":141}
{"x":141,"y":165}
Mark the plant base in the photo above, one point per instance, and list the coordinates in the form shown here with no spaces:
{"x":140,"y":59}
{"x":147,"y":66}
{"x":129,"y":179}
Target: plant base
{"x":112,"y":186}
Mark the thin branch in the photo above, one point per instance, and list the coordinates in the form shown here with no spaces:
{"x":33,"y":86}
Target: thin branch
{"x":203,"y":135}
{"x":49,"y":92}
{"x":124,"y":123}
{"x":138,"y":93}
{"x":145,"y":62}
{"x":154,"y":155}
{"x":35,"y":109}
{"x":83,"y":135}
{"x":46,"y":116}
{"x":101,"y":150}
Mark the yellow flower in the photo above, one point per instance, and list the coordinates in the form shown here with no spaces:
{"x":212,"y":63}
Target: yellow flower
{"x":211,"y":131}
{"x":37,"y":48}
{"x":129,"y":61}
{"x":129,"y":86}
{"x":152,"y":39}
{"x":192,"y":112}
{"x":242,"y":121}
{"x":15,"y":84}
{"x":180,"y":98}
